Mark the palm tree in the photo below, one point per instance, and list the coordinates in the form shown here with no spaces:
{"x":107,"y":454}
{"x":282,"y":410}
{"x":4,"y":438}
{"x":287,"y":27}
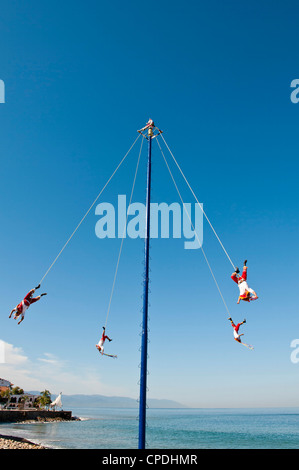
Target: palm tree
{"x":4,"y":395}
{"x":44,"y":400}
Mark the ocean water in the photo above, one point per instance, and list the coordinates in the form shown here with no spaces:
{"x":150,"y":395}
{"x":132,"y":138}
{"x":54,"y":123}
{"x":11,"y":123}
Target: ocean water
{"x":168,"y":429}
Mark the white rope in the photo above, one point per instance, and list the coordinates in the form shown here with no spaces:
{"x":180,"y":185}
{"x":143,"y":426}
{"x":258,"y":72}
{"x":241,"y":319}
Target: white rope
{"x":122,"y":241}
{"x":200,"y":244}
{"x":198,"y":203}
{"x":69,"y":239}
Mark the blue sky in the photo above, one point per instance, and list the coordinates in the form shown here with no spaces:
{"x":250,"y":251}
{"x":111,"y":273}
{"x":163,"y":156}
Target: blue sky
{"x":80,"y":79}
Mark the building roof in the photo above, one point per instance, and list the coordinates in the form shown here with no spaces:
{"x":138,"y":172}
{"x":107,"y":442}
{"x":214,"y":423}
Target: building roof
{"x":5,"y":383}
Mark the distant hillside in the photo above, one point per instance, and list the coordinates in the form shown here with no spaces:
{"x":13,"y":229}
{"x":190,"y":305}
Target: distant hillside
{"x":102,"y":401}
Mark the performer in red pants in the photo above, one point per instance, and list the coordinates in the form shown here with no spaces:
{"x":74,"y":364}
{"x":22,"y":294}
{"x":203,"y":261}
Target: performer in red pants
{"x":246,"y":293}
{"x":236,"y":329}
{"x":100,"y":345}
{"x":21,"y":308}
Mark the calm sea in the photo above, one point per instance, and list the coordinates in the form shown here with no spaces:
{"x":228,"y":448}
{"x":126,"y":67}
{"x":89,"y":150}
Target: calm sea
{"x":168,"y":429}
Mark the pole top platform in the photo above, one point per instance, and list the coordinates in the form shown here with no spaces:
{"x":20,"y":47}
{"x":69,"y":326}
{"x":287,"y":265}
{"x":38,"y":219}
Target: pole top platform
{"x":152,"y":130}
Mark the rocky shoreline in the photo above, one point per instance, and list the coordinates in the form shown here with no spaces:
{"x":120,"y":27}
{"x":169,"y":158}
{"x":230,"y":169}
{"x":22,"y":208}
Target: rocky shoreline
{"x":12,"y":442}
{"x":39,"y":419}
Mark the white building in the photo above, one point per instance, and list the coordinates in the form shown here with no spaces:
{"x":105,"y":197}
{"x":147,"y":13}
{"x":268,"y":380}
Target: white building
{"x":24,"y":401}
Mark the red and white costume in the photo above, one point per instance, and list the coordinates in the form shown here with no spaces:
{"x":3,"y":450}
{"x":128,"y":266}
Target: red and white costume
{"x":150,"y":123}
{"x":245,"y":290}
{"x":27,"y":301}
{"x":21,"y":308}
{"x":100,"y":344}
{"x":236,"y":330}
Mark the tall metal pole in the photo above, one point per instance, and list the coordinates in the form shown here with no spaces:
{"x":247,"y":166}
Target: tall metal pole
{"x":144,"y":334}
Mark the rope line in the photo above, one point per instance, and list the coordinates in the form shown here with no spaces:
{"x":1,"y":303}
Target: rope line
{"x":83,"y":218}
{"x":122,"y":242}
{"x":198,"y":202}
{"x":200,"y":244}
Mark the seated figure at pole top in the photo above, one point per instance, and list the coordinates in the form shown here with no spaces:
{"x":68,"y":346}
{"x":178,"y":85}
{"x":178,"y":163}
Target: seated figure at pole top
{"x":150,"y":125}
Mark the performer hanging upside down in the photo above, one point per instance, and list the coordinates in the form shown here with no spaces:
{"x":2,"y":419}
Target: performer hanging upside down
{"x":246,"y":293}
{"x":100,"y":345}
{"x":236,"y":329}
{"x":21,"y":308}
